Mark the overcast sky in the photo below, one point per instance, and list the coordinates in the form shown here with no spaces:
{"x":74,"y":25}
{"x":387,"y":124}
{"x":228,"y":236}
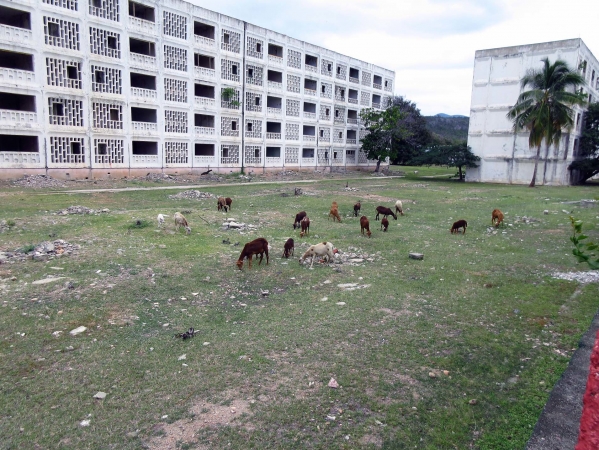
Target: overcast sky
{"x":430,"y":44}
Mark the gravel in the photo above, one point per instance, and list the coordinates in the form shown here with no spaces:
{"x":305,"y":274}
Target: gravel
{"x":81,"y":210}
{"x":45,"y":250}
{"x":39,"y":181}
{"x":191,"y":195}
{"x":582,"y":277}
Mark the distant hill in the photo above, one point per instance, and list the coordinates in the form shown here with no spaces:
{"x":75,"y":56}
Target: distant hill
{"x":454,"y":128}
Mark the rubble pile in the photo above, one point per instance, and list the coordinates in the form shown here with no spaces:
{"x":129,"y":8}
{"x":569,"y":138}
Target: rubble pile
{"x":39,"y":181}
{"x":43,"y":251}
{"x":191,"y":195}
{"x":231,"y":224}
{"x":81,"y":210}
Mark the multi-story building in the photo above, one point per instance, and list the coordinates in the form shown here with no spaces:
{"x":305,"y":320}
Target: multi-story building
{"x":98,"y":87}
{"x":505,"y":155}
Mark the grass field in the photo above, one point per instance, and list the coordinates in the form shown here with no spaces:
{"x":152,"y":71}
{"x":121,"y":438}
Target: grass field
{"x":457,"y":351}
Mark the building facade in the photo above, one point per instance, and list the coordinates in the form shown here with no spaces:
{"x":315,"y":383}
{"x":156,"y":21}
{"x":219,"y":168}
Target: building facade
{"x":505,"y":155}
{"x":115,"y":88}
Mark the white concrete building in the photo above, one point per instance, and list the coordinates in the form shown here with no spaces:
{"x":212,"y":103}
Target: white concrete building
{"x":94,"y":88}
{"x":506,"y":156}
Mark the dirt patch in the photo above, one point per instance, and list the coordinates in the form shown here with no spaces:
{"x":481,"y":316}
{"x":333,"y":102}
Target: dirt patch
{"x":391,"y":312}
{"x":205,"y":415}
{"x":371,"y":439}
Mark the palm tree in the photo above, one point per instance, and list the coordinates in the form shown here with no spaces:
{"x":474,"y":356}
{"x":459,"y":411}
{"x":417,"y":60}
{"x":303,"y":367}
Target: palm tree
{"x":546,"y":109}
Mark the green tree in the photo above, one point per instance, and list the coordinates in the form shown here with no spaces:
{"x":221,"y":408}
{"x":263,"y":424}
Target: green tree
{"x":452,"y":155}
{"x":588,"y":164}
{"x":546,"y":109}
{"x":395,"y":132}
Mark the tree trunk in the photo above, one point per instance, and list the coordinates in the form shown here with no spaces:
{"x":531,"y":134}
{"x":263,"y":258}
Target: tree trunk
{"x":534,"y":173}
{"x":378,"y":165}
{"x":460,"y":170}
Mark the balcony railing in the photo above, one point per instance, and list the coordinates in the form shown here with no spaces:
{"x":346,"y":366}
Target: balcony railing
{"x":253,"y":134}
{"x":339,"y":97}
{"x":144,"y":126}
{"x":141,"y":25}
{"x":205,"y":101}
{"x":352,"y":121}
{"x":199,"y":160}
{"x":273,"y":135}
{"x":144,"y":61}
{"x":307,"y":161}
{"x":16,"y":76}
{"x":354,"y":80}
{"x":19,"y":158}
{"x":310,"y":68}
{"x":274,"y":111}
{"x":204,"y":72}
{"x":144,"y":159}
{"x":228,"y":47}
{"x":204,"y":131}
{"x":310,"y":92}
{"x":377,"y":86}
{"x":148,"y":94}
{"x":309,"y":115}
{"x":352,"y":100}
{"x":376,"y":105}
{"x":340,"y":76}
{"x":204,"y":41}
{"x":275,"y":60}
{"x":351,"y":141}
{"x":273,"y":160}
{"x":16,"y":34}
{"x":18,"y":117}
{"x":338,"y":140}
{"x":275,"y":85}
{"x":309,"y":138}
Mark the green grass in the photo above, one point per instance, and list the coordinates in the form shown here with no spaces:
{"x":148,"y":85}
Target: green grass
{"x":481,"y":306}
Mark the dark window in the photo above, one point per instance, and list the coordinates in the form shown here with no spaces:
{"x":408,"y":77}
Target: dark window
{"x":234,"y":70}
{"x":257,"y":101}
{"x":112,"y":42}
{"x":141,"y":11}
{"x":102,"y":149}
{"x":233,"y":125}
{"x":114,"y":114}
{"x":250,"y":73}
{"x":250,"y":126}
{"x":258,"y":47}
{"x":226,"y":38}
{"x":57,"y":109}
{"x":53,"y":29}
{"x":76,"y":148}
{"x":72,"y":73}
{"x":100,"y":76}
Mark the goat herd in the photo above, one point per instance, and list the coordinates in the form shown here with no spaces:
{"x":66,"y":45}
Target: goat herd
{"x":324,"y":250}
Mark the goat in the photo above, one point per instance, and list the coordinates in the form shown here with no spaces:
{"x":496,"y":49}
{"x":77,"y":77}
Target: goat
{"x":385,"y":212}
{"x":181,"y":221}
{"x":298,"y":218}
{"x":207,"y":172}
{"x":399,"y":207}
{"x":160,"y":220}
{"x":221,"y":204}
{"x":228,"y":202}
{"x":496,"y":217}
{"x":288,"y":248}
{"x":305,"y":226}
{"x":357,"y":208}
{"x":335,"y":213}
{"x":324,"y":249}
{"x":256,"y":247}
{"x":365,"y":225}
{"x":384,"y":224}
{"x":455,"y":228}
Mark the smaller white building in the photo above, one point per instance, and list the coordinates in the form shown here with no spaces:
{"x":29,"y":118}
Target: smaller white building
{"x":506,"y":156}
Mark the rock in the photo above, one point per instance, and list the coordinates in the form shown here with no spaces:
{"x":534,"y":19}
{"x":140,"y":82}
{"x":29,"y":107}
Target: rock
{"x":84,"y":423}
{"x":333,"y":383}
{"x":100,"y":395}
{"x":418,"y":256}
{"x":340,"y":303}
{"x":446,"y":372}
{"x":77,"y":331}
{"x":47,"y":280}
{"x":182,"y":357}
{"x":432,"y":375}
{"x":473,"y":402}
{"x":264,"y":293}
{"x":546,"y":212}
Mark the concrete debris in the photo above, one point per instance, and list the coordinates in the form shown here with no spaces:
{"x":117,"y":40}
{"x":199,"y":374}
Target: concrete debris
{"x":81,"y":210}
{"x":45,"y":250}
{"x":582,"y":277}
{"x":100,"y":395}
{"x":191,"y":195}
{"x":39,"y":181}
{"x":77,"y":331}
{"x":333,"y":384}
{"x":47,"y":280}
{"x":418,"y":256}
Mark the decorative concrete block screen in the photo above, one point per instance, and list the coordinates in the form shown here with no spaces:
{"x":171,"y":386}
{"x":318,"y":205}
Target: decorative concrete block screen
{"x":327,"y":68}
{"x":63,"y":73}
{"x":291,"y":155}
{"x":254,"y":75}
{"x":294,"y":59}
{"x":175,"y":90}
{"x":323,"y":156}
{"x":67,"y":4}
{"x":106,"y":79}
{"x":232,"y":102}
{"x":66,"y":112}
{"x":229,"y":126}
{"x":229,"y":70}
{"x":253,"y":154}
{"x":175,"y":58}
{"x":229,"y":154}
{"x":293,"y":108}
{"x":341,"y":72}
{"x":104,"y":42}
{"x":324,"y":134}
{"x":106,"y":9}
{"x":107,"y":115}
{"x":67,"y":150}
{"x":253,"y":101}
{"x":294,"y":83}
{"x":362,"y":158}
{"x":338,"y":136}
{"x":253,"y":128}
{"x":230,"y":40}
{"x":174,"y":25}
{"x":388,"y":85}
{"x":325,"y":112}
{"x":366,"y":79}
{"x":175,"y":121}
{"x":365,"y":98}
{"x":326,"y":90}
{"x":176,"y":152}
{"x":61,"y":33}
{"x":255,"y":47}
{"x":109,"y":151}
{"x":292,"y":131}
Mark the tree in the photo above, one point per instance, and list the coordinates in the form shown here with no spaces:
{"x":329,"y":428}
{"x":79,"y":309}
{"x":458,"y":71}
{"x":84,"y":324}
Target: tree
{"x":395,"y":132}
{"x":588,"y":164}
{"x":453,"y":155}
{"x":545,"y":110}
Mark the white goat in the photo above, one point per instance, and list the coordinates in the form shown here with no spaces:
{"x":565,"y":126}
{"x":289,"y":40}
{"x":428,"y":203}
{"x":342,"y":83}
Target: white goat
{"x":323,"y":249}
{"x":160,"y":220}
{"x":399,"y":207}
{"x":181,"y":221}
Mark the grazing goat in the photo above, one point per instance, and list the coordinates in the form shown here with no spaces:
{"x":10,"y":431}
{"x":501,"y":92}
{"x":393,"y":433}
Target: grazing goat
{"x":207,"y":172}
{"x":365,"y":225}
{"x":384,"y":224}
{"x":335,"y":213}
{"x":288,"y":248}
{"x":399,"y":207}
{"x":455,"y":228}
{"x":181,"y":221}
{"x":160,"y":220}
{"x":324,"y":249}
{"x":496,"y":217}
{"x":385,"y":212}
{"x":221,"y":204}
{"x":298,"y":218}
{"x":357,"y":208}
{"x":256,"y":247}
{"x":305,"y":226}
{"x":228,"y":202}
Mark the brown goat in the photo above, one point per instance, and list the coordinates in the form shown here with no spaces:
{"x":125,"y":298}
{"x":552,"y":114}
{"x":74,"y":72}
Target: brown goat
{"x":288,"y":248}
{"x":305,"y":226}
{"x":496,"y":217}
{"x":228,"y":202}
{"x":365,"y":225}
{"x":384,"y":224}
{"x":298,"y":218}
{"x":357,"y":208}
{"x":385,"y":212}
{"x":335,"y":213}
{"x":221,"y":204}
{"x":256,"y":247}
{"x":181,"y":221}
{"x":455,"y":228}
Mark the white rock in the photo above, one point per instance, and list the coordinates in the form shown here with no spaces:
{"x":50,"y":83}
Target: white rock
{"x":47,"y":280}
{"x":340,"y":303}
{"x":182,"y":357}
{"x":100,"y":395}
{"x":84,"y":423}
{"x":57,"y":333}
{"x":77,"y":331}
{"x":333,"y":383}
{"x":206,"y":343}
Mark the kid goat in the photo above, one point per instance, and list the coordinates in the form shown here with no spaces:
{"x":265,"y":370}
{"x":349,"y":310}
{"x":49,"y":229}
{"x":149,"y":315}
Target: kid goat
{"x":305,"y":225}
{"x":288,"y":248}
{"x":256,"y":247}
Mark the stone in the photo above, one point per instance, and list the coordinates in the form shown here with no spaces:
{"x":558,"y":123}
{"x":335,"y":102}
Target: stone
{"x":473,"y":402}
{"x":77,"y":331}
{"x":333,"y":383}
{"x":47,"y":280}
{"x":546,"y":212}
{"x":418,"y":256}
{"x":100,"y":395}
